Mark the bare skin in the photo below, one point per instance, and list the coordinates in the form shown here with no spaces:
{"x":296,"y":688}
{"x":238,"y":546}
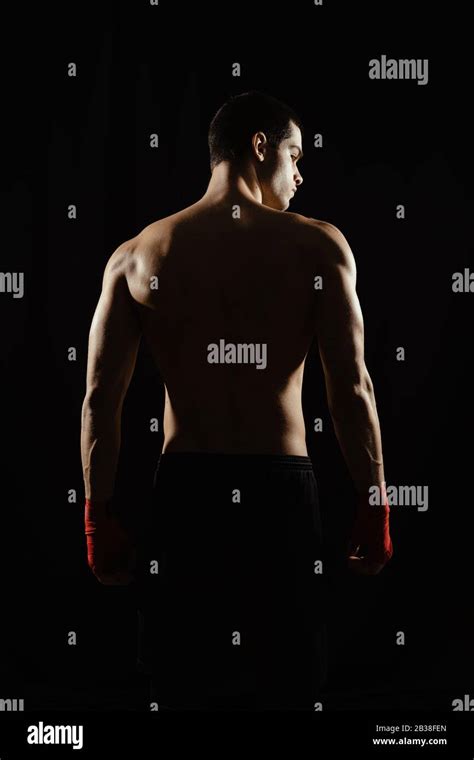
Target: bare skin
{"x":210,"y":273}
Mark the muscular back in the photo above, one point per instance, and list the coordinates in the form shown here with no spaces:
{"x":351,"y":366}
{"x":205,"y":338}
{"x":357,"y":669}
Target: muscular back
{"x":202,"y":277}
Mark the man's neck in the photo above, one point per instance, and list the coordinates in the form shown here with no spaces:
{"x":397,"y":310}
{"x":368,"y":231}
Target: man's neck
{"x":228,"y":182}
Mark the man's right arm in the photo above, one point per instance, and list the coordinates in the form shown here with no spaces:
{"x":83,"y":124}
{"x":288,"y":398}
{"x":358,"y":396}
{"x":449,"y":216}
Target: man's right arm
{"x":340,"y":333}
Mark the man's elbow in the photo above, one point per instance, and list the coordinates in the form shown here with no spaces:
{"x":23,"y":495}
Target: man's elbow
{"x":345,"y":393}
{"x":99,"y":401}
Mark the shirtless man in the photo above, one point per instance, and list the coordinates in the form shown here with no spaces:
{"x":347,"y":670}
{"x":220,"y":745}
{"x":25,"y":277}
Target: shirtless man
{"x":211,"y":289}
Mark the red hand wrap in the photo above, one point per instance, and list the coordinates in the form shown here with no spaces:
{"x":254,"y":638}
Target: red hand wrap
{"x":108,"y":545}
{"x":371,"y":530}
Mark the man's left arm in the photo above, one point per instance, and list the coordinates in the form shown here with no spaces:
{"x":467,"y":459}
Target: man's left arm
{"x":114,"y":339}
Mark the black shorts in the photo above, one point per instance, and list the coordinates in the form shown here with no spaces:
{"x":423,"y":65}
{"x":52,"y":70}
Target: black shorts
{"x":232,"y":600}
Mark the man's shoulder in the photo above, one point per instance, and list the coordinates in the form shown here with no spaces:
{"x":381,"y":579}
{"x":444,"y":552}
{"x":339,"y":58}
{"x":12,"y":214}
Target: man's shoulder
{"x":155,"y":239}
{"x":149,"y":241}
{"x":324,"y":239}
{"x":158,"y":226}
{"x":318,"y":228}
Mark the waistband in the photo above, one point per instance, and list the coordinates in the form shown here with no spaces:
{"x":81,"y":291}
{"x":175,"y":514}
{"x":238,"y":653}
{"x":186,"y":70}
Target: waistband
{"x":183,"y":459}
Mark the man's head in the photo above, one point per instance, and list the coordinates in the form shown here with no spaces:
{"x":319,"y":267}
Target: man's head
{"x":257,"y":130}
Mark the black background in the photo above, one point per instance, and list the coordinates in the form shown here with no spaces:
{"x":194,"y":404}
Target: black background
{"x":84,"y":140}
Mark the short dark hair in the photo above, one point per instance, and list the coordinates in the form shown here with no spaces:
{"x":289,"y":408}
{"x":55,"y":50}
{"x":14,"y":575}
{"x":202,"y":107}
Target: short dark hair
{"x":240,"y":117}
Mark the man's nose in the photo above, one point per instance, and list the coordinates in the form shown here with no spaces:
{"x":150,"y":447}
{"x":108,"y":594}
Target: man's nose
{"x":298,"y":179}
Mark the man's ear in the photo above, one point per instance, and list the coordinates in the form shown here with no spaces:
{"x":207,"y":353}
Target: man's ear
{"x":259,"y":145}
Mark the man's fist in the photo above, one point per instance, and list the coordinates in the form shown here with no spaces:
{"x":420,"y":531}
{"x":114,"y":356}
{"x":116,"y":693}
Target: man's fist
{"x":110,"y":553}
{"x":370,"y":546}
